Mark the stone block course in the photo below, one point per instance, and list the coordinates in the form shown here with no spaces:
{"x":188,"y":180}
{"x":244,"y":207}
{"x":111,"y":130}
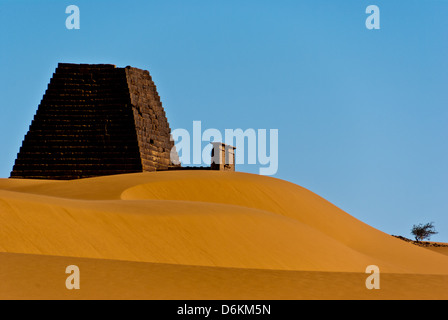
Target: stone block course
{"x":96,"y":120}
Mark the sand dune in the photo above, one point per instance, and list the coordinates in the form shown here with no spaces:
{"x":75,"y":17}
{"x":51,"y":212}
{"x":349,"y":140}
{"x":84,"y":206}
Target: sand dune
{"x":202,"y":229}
{"x":111,"y":279}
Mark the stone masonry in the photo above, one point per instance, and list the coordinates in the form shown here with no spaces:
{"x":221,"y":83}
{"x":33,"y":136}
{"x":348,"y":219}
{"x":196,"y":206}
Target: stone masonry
{"x":96,"y":120}
{"x":223,"y":157}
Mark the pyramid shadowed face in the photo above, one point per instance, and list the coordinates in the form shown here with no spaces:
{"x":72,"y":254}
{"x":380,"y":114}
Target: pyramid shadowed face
{"x":96,"y":120}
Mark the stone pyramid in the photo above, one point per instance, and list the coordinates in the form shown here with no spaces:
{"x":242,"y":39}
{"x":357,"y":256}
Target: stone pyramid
{"x":96,"y":120}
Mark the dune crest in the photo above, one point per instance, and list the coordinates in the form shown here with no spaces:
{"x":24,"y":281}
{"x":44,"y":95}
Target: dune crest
{"x":199,"y":218}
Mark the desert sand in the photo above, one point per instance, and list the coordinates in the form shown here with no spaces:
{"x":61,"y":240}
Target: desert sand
{"x":199,"y":235}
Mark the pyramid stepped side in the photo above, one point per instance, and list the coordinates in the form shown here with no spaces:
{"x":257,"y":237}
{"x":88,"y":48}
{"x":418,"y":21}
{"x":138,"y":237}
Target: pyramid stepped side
{"x":152,"y":127}
{"x":84,"y":127}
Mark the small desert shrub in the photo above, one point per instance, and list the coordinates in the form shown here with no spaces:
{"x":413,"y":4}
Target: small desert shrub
{"x":423,"y":231}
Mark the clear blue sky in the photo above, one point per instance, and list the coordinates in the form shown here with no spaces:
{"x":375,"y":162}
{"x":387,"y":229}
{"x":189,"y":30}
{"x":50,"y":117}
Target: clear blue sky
{"x":362,"y":114}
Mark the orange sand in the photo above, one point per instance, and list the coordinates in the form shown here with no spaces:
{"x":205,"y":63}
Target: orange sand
{"x":199,"y":235}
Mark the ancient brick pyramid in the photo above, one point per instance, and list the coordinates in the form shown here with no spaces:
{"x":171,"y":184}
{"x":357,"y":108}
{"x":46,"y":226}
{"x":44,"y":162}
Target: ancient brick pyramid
{"x":96,"y":120}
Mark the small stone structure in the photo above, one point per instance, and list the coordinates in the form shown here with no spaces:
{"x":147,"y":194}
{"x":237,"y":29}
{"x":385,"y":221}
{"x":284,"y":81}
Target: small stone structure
{"x":97,"y":120}
{"x":223,"y":157}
